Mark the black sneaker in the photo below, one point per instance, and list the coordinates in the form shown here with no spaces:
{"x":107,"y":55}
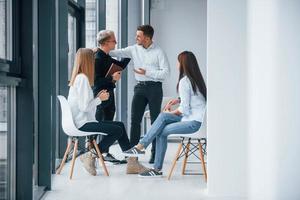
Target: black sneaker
{"x":120,"y":162}
{"x":152,"y":158}
{"x":110,"y":158}
{"x":133,"y":152}
{"x":151,"y":173}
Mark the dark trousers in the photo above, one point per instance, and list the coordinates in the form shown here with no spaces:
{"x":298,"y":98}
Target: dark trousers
{"x":114,"y":130}
{"x":106,"y":110}
{"x":150,"y":93}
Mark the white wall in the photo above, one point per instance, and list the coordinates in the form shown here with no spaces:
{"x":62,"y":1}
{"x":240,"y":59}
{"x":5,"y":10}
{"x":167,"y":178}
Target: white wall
{"x":274,"y":96}
{"x":253,"y":99}
{"x":262,"y":98}
{"x":288,"y":82}
{"x":227,"y":115}
{"x":179,"y":25}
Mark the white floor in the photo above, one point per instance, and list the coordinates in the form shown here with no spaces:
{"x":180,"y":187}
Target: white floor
{"x":121,"y":186}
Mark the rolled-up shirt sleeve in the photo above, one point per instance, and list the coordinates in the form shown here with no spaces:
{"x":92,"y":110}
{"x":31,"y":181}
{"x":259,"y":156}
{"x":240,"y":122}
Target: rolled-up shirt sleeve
{"x":122,"y":53}
{"x":185,"y":96}
{"x":164,"y":68}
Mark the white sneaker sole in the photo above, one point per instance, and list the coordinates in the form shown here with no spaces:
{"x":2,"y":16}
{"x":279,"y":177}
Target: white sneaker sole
{"x":159,"y":176}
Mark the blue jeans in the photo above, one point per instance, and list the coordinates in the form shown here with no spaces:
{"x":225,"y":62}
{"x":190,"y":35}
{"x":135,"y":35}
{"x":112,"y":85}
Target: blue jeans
{"x":164,"y":125}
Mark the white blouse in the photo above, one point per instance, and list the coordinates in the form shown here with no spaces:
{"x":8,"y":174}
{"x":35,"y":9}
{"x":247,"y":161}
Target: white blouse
{"x":192,"y":105}
{"x":82,"y":102}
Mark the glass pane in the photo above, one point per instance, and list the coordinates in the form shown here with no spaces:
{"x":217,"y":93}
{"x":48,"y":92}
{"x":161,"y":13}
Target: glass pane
{"x":72,"y":43}
{"x":5,"y":29}
{"x":112,"y":16}
{"x":112,"y":23}
{"x":3,"y":144}
{"x":90,"y":23}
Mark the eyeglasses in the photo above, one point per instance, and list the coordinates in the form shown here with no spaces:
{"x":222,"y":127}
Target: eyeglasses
{"x":114,"y":41}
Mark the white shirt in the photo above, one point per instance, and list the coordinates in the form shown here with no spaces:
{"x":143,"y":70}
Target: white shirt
{"x":192,"y":105}
{"x":82,"y":102}
{"x":152,"y":59}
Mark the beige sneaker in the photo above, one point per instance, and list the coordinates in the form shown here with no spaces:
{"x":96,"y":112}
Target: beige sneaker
{"x":89,"y":163}
{"x":134,"y":167}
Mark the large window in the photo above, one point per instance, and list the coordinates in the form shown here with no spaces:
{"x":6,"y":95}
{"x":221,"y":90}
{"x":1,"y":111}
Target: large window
{"x":72,"y":41}
{"x":3,"y":143}
{"x":5,"y":30}
{"x":7,"y":103}
{"x":76,"y":32}
{"x":90,"y":23}
{"x":7,"y":143}
{"x":112,"y":23}
{"x":112,"y":16}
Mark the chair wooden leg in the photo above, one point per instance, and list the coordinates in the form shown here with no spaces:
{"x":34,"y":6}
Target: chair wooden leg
{"x":101,"y":161}
{"x":187,"y":150}
{"x":175,"y":160}
{"x":202,"y":161}
{"x":74,"y":157}
{"x":65,"y":156}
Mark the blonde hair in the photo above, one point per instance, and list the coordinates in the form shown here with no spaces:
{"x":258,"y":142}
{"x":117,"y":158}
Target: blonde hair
{"x":84,"y":63}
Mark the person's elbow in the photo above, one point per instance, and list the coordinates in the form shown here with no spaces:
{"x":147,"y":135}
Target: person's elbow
{"x":184,"y":110}
{"x":165,"y":74}
{"x":84,"y":108}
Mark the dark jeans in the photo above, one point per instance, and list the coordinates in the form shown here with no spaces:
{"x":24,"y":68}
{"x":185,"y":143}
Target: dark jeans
{"x":106,"y":110}
{"x":114,"y":130}
{"x":147,"y":92}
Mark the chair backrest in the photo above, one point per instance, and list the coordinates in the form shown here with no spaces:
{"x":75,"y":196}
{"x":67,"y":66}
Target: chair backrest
{"x":202,"y":132}
{"x":67,"y":122}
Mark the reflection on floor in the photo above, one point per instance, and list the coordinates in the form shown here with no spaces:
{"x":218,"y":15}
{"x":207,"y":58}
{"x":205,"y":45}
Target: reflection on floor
{"x":121,"y":186}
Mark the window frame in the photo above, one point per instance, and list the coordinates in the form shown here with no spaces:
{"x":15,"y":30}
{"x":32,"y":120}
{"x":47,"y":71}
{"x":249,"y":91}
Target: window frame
{"x":11,"y":65}
{"x":78,"y":12}
{"x":10,"y":141}
{"x":89,"y":27}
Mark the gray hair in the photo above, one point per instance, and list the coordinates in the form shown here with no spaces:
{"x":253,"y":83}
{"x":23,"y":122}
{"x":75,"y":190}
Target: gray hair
{"x":103,"y":36}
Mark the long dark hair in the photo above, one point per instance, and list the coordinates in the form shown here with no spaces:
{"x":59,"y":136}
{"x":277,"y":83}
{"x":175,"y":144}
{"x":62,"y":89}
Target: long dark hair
{"x":188,"y":66}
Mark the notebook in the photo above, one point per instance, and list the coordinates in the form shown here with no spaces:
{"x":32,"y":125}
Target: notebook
{"x":112,"y":69}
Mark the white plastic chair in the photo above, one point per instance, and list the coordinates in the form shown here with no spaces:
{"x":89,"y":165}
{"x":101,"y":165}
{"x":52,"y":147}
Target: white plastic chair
{"x":185,"y":150}
{"x":70,"y":129}
{"x":146,"y":122}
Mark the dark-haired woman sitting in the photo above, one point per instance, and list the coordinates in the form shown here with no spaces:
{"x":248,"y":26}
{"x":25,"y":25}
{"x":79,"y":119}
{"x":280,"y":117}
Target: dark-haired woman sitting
{"x":186,"y":119}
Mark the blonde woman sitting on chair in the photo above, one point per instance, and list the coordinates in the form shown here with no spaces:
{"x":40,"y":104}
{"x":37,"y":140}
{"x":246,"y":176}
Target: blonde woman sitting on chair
{"x":186,"y":119}
{"x":83,"y":107}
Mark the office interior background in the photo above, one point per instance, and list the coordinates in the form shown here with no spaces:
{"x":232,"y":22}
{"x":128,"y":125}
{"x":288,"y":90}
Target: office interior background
{"x":248,"y":52}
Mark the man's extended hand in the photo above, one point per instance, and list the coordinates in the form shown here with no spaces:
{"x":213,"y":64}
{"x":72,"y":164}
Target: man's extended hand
{"x":140,"y":71}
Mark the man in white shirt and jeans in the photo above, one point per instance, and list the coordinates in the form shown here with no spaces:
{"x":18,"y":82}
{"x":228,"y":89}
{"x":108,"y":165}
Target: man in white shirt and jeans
{"x":151,"y":67}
